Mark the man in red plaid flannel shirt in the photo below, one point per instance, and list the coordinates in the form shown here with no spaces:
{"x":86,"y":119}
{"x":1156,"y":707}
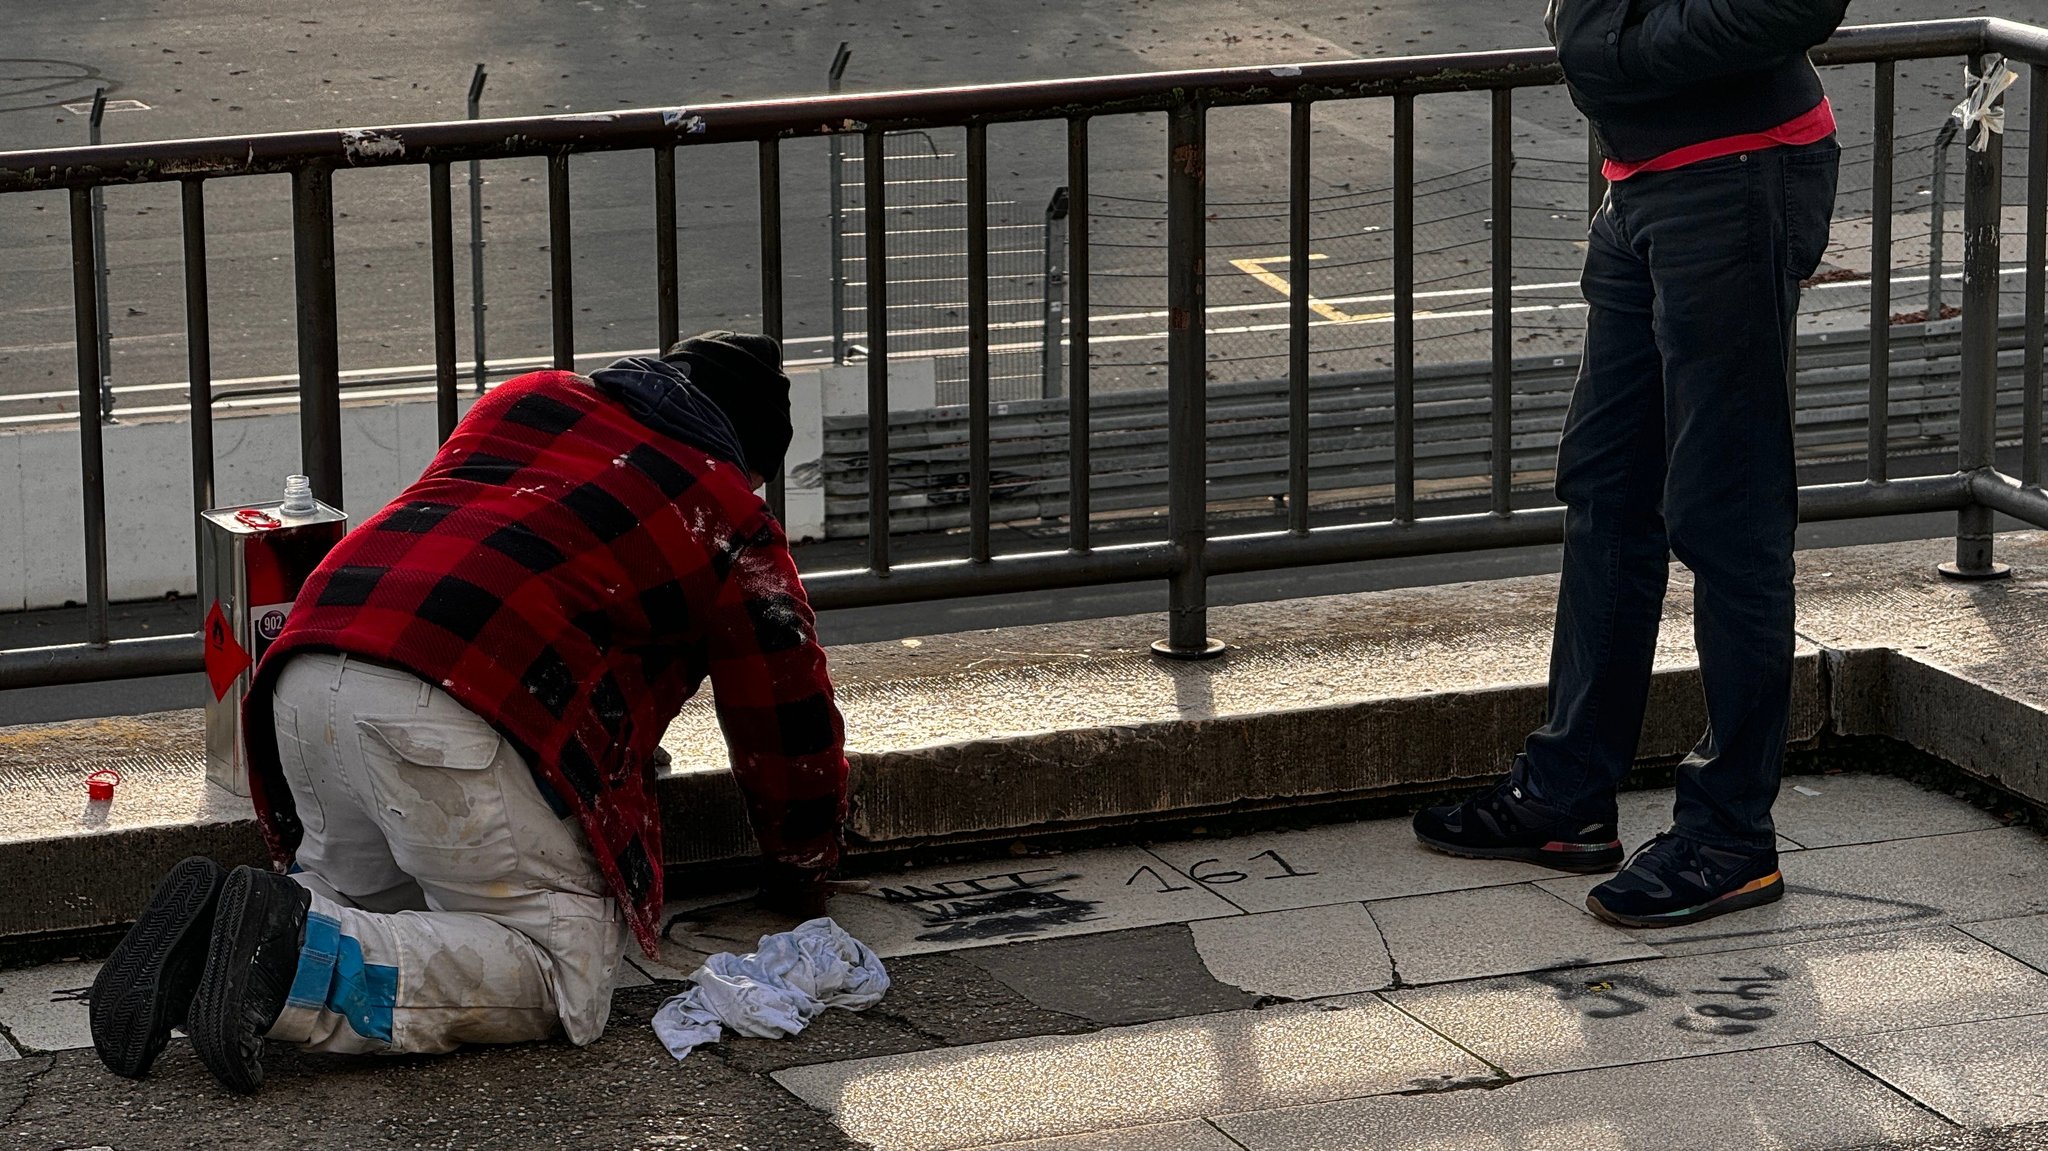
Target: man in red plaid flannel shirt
{"x":451,"y":744}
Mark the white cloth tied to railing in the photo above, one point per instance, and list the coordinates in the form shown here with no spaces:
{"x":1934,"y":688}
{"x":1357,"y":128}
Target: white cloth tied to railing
{"x":1980,"y":114}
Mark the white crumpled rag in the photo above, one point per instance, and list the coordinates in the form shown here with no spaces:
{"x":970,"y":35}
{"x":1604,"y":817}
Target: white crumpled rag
{"x":775,"y":991}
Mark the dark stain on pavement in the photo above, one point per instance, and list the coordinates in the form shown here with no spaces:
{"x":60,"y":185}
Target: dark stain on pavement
{"x":1119,"y":977}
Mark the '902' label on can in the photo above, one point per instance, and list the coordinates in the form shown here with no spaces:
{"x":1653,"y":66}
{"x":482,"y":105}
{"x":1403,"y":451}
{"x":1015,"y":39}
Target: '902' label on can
{"x":267,"y":620}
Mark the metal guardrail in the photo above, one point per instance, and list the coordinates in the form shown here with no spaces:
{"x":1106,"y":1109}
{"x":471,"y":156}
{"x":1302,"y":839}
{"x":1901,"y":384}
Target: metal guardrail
{"x":1351,"y":434}
{"x":1190,"y":554}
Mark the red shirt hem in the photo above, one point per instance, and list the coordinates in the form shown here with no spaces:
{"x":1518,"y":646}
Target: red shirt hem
{"x":1814,"y":125}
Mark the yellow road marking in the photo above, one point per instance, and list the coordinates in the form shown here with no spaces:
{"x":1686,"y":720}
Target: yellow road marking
{"x":1258,"y":270}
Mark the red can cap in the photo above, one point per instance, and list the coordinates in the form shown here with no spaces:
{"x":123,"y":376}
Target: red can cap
{"x":99,"y":786}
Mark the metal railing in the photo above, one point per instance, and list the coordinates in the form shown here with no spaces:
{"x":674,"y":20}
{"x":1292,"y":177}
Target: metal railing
{"x":1190,"y":554}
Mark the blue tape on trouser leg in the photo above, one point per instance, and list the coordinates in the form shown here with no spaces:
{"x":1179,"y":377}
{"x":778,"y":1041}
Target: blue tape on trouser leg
{"x":333,"y":976}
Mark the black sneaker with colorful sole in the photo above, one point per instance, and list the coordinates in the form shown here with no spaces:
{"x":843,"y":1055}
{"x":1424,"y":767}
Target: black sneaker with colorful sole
{"x":1671,"y":881}
{"x":1505,"y":822}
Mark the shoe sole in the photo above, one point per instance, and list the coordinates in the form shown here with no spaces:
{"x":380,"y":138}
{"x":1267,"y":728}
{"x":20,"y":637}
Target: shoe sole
{"x":215,"y":1021}
{"x":144,"y":988}
{"x":1734,"y":901}
{"x":1589,"y":863}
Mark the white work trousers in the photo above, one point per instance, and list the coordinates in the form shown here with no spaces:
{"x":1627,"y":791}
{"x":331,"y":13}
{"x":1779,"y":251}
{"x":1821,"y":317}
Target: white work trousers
{"x":451,"y":905}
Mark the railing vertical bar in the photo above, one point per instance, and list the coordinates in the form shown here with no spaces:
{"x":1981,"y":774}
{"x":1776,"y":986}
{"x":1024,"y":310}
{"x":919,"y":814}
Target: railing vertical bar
{"x":2037,"y":269}
{"x":1883,"y":144}
{"x":668,"y":291}
{"x":198,"y":352}
{"x":1300,"y":167}
{"x":1978,"y":436}
{"x":85,"y":303}
{"x":443,"y":227}
{"x":771,"y":283}
{"x":1404,"y":308}
{"x":1503,"y":406}
{"x":1187,"y":385}
{"x":1078,"y":423}
{"x":977,"y":343}
{"x":479,"y":362}
{"x":318,"y":331}
{"x":561,"y":278}
{"x":875,"y":226}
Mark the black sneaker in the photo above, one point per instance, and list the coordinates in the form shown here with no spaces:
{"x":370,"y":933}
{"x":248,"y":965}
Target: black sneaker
{"x":1507,"y":823}
{"x":250,"y":965}
{"x":146,"y":985}
{"x":1672,"y":880}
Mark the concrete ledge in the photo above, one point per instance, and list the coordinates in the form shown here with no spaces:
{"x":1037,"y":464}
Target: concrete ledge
{"x":1953,"y":669}
{"x":1069,"y":726}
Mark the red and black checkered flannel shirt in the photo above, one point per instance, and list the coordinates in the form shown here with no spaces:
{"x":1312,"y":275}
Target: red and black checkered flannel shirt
{"x":571,"y":576}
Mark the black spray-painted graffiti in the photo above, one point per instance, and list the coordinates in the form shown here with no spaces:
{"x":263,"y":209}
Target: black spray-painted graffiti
{"x":1736,"y":1005}
{"x":1005,"y":905}
{"x":1020,"y":904}
{"x":1211,"y":873}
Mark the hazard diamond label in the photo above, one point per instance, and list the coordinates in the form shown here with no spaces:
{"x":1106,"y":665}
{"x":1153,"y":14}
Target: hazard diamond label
{"x":225,"y":657}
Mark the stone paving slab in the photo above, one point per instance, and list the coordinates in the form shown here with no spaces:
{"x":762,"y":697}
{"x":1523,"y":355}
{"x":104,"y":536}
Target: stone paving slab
{"x":1603,"y":1016}
{"x":1457,"y":935}
{"x":1300,"y":953}
{"x":999,"y":901}
{"x":1131,"y":1076}
{"x":1985,"y":1074}
{"x":1862,"y":807}
{"x":1119,"y":977}
{"x":1193,"y":1136}
{"x":1878,"y":887}
{"x":1788,"y":1097}
{"x":44,"y":1008}
{"x":1828,"y":811}
{"x":2025,"y":937}
{"x":1338,"y":863}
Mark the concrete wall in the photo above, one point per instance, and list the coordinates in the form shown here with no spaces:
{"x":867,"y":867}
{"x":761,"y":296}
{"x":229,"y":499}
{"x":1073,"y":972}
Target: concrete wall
{"x":149,"y":493}
{"x":384,"y":447}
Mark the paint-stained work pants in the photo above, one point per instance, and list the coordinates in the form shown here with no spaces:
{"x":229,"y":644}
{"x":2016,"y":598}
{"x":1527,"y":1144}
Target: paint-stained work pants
{"x":451,"y":905}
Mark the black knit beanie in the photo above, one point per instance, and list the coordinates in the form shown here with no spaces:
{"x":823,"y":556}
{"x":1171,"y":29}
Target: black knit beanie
{"x":742,"y":374}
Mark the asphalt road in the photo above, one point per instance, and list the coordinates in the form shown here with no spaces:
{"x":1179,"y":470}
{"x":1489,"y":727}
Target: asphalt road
{"x":215,"y":67}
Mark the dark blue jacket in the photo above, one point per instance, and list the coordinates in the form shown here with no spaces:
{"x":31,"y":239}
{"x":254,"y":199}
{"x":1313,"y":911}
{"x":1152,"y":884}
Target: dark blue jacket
{"x":1657,"y":75}
{"x":661,"y":396}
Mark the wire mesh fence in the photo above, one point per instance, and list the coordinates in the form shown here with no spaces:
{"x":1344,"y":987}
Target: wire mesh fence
{"x":1351,"y":281}
{"x":925,"y":200}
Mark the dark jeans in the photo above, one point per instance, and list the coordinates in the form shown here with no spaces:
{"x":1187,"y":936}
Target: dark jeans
{"x":1679,"y":441}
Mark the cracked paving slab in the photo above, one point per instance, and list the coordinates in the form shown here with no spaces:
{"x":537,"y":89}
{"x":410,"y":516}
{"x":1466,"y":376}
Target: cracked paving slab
{"x":1788,"y":1097}
{"x":1608,"y":1015}
{"x":1133,"y":1076}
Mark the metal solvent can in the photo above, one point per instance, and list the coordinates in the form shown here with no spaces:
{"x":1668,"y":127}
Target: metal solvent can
{"x":253,"y":559}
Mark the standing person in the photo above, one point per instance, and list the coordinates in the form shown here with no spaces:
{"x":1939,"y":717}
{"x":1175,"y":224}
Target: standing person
{"x":1721,"y":162}
{"x":452,"y":741}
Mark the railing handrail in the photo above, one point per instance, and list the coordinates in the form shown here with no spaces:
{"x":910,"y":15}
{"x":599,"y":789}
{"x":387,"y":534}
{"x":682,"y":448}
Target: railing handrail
{"x":1190,"y":553}
{"x":153,"y":161}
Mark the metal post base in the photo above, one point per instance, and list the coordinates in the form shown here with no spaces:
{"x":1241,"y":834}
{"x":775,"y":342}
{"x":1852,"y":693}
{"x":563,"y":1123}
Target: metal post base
{"x":1210,"y":649}
{"x":1954,"y":571}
